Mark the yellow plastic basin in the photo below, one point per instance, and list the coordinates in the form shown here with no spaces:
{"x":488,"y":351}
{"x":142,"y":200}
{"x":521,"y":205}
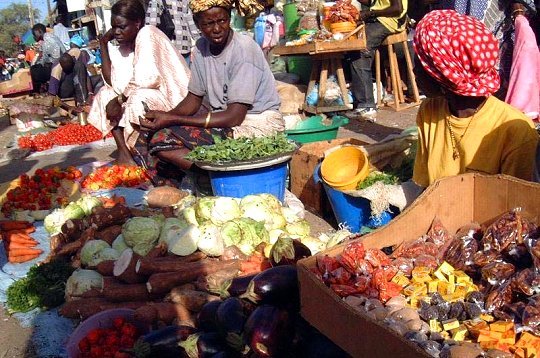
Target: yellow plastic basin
{"x":344,"y":168}
{"x":337,"y":27}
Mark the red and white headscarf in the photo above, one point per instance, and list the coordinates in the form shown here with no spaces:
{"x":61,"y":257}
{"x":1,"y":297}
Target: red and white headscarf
{"x":459,"y":51}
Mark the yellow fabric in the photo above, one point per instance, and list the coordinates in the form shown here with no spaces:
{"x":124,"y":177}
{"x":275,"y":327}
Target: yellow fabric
{"x":391,"y":23}
{"x":500,"y":140}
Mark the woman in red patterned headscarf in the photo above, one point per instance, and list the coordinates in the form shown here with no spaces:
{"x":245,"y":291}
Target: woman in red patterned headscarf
{"x":462,"y":127}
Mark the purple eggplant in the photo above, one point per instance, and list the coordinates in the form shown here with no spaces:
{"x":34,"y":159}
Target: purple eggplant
{"x":287,"y":251}
{"x":207,"y":318}
{"x":276,"y":286}
{"x":231,"y":319}
{"x":238,"y":285}
{"x":164,"y":342}
{"x":204,"y":345}
{"x":269,"y":331}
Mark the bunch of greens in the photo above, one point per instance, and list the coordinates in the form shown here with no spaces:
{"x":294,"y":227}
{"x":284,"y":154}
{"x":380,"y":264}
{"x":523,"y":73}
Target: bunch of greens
{"x":375,"y":177}
{"x":228,"y":150}
{"x":43,"y":287}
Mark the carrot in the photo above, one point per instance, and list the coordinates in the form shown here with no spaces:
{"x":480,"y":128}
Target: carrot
{"x":7,"y":225}
{"x":20,"y":259}
{"x":24,"y":252}
{"x":21,"y":239}
{"x":18,"y":245}
{"x":16,"y":233}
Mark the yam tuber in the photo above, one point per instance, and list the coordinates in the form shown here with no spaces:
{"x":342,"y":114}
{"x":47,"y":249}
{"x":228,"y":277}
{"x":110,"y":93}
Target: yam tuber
{"x":147,"y":266}
{"x":193,"y":300}
{"x":73,"y":228}
{"x":72,"y":247}
{"x":164,"y":282}
{"x":109,"y":234}
{"x":124,"y":268}
{"x":127,"y":292}
{"x":104,"y":217}
{"x":105,"y":268}
{"x":159,"y":251}
{"x":165,"y":312}
{"x":86,"y":307}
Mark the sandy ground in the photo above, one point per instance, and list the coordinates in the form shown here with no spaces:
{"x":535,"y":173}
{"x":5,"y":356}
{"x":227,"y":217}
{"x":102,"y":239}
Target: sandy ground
{"x":14,"y":340}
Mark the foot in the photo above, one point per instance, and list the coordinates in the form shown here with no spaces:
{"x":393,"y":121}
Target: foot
{"x":368,"y":113}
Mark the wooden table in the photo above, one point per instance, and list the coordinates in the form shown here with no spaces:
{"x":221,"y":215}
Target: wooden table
{"x":327,"y":59}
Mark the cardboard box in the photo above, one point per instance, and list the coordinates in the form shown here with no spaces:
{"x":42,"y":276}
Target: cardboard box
{"x":303,"y":165}
{"x":456,"y":201}
{"x":20,"y":82}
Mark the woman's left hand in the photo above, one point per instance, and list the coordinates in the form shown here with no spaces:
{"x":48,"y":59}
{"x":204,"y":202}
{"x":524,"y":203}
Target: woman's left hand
{"x":114,"y":111}
{"x":155,"y":120}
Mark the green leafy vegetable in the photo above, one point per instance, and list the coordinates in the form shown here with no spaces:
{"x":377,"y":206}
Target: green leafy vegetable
{"x":227,"y":150}
{"x":374,"y":177}
{"x":43,"y":287}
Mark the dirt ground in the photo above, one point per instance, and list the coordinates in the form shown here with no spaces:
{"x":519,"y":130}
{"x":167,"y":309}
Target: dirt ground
{"x":14,"y":340}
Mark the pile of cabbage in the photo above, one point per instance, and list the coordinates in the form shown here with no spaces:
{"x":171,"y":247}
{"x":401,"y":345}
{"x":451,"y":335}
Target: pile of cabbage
{"x":74,"y":210}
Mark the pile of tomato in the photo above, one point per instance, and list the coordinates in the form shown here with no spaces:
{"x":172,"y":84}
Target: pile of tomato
{"x":36,"y":192}
{"x":68,"y":134}
{"x":108,"y":342}
{"x":110,"y":177}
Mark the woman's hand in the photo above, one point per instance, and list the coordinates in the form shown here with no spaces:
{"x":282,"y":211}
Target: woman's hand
{"x":107,"y":37}
{"x":156,"y":120}
{"x":114,"y":111}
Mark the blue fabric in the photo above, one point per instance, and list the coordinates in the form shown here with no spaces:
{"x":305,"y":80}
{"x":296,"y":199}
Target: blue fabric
{"x":77,"y":40}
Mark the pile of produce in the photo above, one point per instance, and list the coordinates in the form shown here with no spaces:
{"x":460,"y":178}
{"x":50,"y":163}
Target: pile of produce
{"x":110,"y":341}
{"x":43,"y":287}
{"x":110,"y":177}
{"x":469,"y":292}
{"x":18,"y":244}
{"x":68,"y":134}
{"x":46,"y":189}
{"x":242,"y":149}
{"x":343,"y":11}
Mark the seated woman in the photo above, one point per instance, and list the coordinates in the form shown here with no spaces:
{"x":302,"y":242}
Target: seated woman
{"x":462,"y":127}
{"x":230,"y":72}
{"x":144,"y":67}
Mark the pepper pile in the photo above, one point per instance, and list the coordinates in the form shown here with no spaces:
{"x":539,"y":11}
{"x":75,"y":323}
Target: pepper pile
{"x":107,"y":342}
{"x":110,"y":177}
{"x":68,"y":134}
{"x":37,"y":192}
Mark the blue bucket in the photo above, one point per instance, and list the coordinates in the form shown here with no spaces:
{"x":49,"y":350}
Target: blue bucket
{"x":239,"y":183}
{"x":352,"y":211}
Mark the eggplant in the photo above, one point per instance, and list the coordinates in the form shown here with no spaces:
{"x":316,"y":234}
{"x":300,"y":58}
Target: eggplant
{"x":164,"y":342}
{"x":238,"y":285}
{"x":276,"y":286}
{"x":210,"y":344}
{"x":310,"y":343}
{"x":287,"y":251}
{"x":269,"y":331}
{"x":207,"y":318}
{"x":231,"y":319}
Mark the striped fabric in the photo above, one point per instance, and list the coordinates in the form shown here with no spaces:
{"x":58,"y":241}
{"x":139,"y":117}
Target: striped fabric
{"x":186,"y":33}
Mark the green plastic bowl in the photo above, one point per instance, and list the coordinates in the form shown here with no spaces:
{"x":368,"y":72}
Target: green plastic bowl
{"x":313,"y":130}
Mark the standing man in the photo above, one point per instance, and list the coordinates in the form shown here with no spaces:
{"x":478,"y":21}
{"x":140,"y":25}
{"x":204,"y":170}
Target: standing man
{"x":185,"y":30}
{"x":61,"y":31}
{"x":51,"y":48}
{"x":384,"y":17}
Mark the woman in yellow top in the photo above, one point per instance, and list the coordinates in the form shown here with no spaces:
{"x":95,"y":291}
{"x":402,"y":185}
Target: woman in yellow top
{"x":462,"y":127}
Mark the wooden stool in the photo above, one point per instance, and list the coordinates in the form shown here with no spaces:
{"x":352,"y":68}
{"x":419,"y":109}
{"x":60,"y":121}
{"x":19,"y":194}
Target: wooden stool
{"x":399,"y":100}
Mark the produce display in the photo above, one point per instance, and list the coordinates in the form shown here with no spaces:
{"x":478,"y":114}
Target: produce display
{"x":450,"y":294}
{"x":110,"y":177}
{"x":68,"y":134}
{"x":46,"y":189}
{"x":242,"y":149}
{"x":342,"y":11}
{"x":18,"y":244}
{"x":109,"y":341}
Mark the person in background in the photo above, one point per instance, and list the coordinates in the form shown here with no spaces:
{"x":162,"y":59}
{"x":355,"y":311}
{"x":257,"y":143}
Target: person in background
{"x":50,"y":50}
{"x":61,"y":31}
{"x":73,"y":80}
{"x":144,"y":68}
{"x":230,"y":72}
{"x":76,"y":48}
{"x":383,"y":18}
{"x":185,"y":30}
{"x":462,"y":127}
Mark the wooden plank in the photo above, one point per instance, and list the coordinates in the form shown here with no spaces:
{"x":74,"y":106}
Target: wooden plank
{"x":312,"y":109}
{"x":338,"y":65}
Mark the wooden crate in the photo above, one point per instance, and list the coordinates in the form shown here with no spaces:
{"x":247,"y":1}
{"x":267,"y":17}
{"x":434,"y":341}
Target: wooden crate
{"x":303,"y":165}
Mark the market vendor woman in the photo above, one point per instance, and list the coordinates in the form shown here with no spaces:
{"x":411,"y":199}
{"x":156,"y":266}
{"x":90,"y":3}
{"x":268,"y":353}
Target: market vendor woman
{"x":230,"y":72}
{"x":462,"y":127}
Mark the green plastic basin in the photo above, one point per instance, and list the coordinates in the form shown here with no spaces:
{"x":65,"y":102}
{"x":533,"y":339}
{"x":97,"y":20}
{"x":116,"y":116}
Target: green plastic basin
{"x":313,"y":130}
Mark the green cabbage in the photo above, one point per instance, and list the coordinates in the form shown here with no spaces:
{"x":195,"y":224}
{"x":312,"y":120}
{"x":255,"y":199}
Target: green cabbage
{"x":289,"y":215}
{"x":73,"y":211}
{"x":244,"y":233}
{"x":190,"y":215}
{"x":54,"y":221}
{"x":81,"y":281}
{"x":183,"y":241}
{"x":298,"y":229}
{"x":210,"y":240}
{"x":108,"y":254}
{"x":88,"y":202}
{"x":119,"y":244}
{"x":141,"y":234}
{"x":171,"y":223}
{"x":90,"y":253}
{"x":314,"y":245}
{"x":337,"y":237}
{"x":217,"y":210}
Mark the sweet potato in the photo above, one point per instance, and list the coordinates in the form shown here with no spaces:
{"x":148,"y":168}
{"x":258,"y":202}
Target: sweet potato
{"x":163,"y":196}
{"x":159,"y":251}
{"x":164,"y":282}
{"x":147,"y":266}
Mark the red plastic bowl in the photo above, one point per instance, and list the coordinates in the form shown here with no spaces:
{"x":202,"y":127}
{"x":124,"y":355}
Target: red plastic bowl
{"x":100,"y":320}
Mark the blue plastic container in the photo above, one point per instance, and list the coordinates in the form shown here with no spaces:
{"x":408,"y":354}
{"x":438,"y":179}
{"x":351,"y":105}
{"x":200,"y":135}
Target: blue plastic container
{"x":352,"y":211}
{"x":239,"y":183}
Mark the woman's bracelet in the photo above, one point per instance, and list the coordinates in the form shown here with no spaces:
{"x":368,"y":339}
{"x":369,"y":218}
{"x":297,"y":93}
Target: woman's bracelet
{"x":207,"y":120}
